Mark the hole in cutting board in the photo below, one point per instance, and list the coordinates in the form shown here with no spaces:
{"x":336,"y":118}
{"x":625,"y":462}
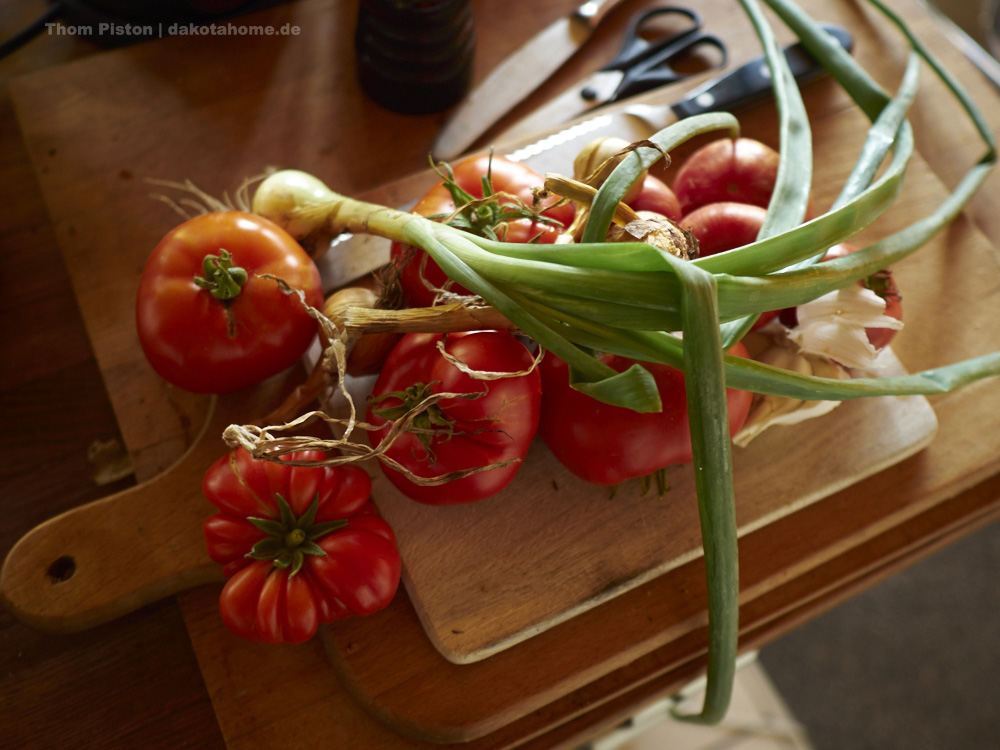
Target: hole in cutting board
{"x":62,"y":569}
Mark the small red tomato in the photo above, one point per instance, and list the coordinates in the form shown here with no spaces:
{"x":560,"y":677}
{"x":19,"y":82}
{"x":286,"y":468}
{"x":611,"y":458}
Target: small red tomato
{"x":726,"y":226}
{"x":301,"y":545}
{"x":741,"y":170}
{"x":608,"y":445}
{"x":654,"y":195}
{"x":208,"y":320}
{"x":494,"y":426}
{"x":420,"y":274}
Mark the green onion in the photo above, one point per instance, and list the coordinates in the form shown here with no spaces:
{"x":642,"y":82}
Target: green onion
{"x":579,"y":299}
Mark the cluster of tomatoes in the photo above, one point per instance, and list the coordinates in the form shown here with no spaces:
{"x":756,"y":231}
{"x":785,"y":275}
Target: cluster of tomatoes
{"x":303,"y":545}
{"x":719,"y":194}
{"x":723,"y":190}
{"x":602,"y":444}
{"x":300,"y":546}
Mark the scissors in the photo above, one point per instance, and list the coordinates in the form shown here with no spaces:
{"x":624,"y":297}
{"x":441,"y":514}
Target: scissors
{"x":653,"y":53}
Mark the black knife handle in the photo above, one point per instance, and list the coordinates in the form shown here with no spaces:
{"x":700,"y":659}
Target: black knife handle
{"x":752,"y":81}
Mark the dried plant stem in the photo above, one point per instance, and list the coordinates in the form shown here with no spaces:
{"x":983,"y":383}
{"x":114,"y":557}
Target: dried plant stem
{"x":581,"y":192}
{"x":438,"y":319}
{"x":311,"y":389}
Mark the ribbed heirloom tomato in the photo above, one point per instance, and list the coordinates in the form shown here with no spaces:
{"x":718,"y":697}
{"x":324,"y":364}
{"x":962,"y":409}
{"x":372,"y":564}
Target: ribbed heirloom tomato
{"x":302,"y":545}
{"x":609,"y":445}
{"x":208,"y":319}
{"x":510,"y":182}
{"x":492,"y":426}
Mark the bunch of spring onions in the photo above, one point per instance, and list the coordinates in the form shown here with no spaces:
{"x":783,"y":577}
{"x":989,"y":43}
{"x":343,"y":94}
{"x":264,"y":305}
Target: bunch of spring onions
{"x":582,"y":298}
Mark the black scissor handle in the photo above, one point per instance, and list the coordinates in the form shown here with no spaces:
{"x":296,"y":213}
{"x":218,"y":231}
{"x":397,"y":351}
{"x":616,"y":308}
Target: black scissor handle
{"x":636,"y":48}
{"x":657,"y":69}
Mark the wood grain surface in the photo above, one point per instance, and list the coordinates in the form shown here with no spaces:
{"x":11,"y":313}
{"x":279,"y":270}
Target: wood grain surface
{"x":227,"y":124}
{"x":485,"y":577}
{"x":97,"y":562}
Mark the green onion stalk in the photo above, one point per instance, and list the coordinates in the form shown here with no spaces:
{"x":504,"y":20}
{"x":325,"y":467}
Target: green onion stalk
{"x":632,"y":299}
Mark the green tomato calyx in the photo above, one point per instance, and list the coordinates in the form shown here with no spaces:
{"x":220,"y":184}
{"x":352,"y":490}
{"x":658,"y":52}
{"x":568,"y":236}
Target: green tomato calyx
{"x":419,"y":413}
{"x":222,"y":279}
{"x":417,"y":397}
{"x":290,"y":539}
{"x":487,"y":216}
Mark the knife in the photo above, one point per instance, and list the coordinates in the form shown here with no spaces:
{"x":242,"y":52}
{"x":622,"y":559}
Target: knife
{"x":739,"y":87}
{"x":527,"y":68}
{"x":353,"y":256}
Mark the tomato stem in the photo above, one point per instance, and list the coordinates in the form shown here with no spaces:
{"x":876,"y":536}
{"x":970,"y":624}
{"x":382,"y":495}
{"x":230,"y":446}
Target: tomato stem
{"x":294,"y":538}
{"x":431,"y":422}
{"x":222,"y":279}
{"x":290,"y":539}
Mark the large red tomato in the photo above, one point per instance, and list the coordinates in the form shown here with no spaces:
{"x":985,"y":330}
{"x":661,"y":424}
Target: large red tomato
{"x":458,"y":434}
{"x":509,"y":180}
{"x":301,"y":545}
{"x":741,"y":170}
{"x":611,"y":444}
{"x":208,"y":320}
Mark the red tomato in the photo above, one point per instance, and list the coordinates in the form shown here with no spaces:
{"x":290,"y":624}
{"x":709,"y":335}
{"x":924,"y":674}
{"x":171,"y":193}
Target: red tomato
{"x":507,"y":177}
{"x":654,"y":195}
{"x":458,"y":433}
{"x":301,"y":545}
{"x":726,"y":226}
{"x":608,"y":445}
{"x":741,"y":170}
{"x":882,"y":283}
{"x":242,"y":330}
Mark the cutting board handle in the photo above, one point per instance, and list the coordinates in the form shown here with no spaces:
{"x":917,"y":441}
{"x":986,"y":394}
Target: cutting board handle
{"x":107,"y":558}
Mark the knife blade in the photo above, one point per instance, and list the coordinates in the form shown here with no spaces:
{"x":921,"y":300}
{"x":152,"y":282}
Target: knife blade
{"x":352,"y":256}
{"x":527,"y":68}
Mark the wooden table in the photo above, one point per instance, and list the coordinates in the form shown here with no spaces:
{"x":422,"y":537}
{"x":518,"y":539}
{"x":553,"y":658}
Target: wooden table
{"x":136,"y":681}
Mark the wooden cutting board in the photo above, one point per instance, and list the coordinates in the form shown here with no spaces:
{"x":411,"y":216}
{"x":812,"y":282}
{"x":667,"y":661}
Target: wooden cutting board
{"x":484,"y":577}
{"x":96,"y":128}
{"x":775,"y":476}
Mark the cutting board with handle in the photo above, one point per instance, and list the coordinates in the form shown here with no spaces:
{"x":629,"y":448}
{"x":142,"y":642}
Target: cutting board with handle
{"x":65,"y":113}
{"x":488,"y":575}
{"x":102,"y":560}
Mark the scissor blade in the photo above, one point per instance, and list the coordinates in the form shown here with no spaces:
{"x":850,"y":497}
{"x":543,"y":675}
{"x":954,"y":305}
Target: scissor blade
{"x":512,"y":80}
